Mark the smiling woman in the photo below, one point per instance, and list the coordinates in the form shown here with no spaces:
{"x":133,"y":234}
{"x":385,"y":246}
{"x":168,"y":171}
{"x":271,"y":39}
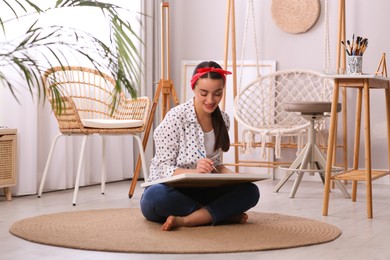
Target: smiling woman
{"x":191,"y":139}
{"x":89,"y":33}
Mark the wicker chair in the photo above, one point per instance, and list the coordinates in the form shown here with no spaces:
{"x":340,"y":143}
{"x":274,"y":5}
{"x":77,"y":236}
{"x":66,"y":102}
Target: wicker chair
{"x":87,"y":109}
{"x":259,"y":107}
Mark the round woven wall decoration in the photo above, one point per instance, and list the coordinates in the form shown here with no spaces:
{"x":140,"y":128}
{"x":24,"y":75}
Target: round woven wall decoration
{"x":295,"y":16}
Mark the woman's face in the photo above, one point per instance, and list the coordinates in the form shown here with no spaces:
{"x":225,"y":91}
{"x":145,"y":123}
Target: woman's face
{"x":208,"y":93}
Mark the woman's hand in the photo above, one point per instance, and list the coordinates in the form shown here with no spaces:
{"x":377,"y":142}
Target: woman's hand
{"x":205,"y":165}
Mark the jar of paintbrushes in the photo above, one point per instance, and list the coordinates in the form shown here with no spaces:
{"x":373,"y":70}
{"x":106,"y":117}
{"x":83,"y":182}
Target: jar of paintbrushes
{"x":355,"y":51}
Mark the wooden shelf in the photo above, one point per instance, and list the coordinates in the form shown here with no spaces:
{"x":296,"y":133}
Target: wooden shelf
{"x":360,"y":175}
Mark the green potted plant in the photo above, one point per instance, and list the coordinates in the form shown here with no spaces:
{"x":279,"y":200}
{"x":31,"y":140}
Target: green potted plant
{"x":46,"y":45}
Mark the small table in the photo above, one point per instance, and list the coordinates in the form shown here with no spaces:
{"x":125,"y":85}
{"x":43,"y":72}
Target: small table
{"x":7,"y":160}
{"x":363,"y":83}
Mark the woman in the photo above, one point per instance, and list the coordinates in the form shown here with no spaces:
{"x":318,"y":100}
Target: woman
{"x":190,"y":139}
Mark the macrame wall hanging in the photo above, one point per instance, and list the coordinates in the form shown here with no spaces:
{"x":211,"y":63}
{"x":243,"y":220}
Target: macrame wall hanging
{"x":327,"y":67}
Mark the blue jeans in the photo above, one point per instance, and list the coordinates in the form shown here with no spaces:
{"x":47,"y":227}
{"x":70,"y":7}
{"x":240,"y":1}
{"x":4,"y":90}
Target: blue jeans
{"x":160,"y":201}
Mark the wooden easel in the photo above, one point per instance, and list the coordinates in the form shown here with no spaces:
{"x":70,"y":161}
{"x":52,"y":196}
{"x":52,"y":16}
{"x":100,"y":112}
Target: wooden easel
{"x":340,"y":69}
{"x":165,"y":86}
{"x":382,"y":64}
{"x":230,"y":21}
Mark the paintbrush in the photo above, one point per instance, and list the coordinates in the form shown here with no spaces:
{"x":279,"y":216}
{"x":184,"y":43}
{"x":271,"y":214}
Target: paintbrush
{"x":364,"y":47}
{"x":345,"y":47}
{"x":350,"y":47}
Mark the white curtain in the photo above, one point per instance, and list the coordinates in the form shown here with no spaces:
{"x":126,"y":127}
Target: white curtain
{"x":36,"y":127}
{"x":23,"y":117}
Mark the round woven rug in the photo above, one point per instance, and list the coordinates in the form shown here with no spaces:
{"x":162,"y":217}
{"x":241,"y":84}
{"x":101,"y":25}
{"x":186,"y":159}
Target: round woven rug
{"x":126,"y":230}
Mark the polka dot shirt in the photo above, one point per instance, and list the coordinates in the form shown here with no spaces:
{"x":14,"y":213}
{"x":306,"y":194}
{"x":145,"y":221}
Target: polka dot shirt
{"x":177,"y":140}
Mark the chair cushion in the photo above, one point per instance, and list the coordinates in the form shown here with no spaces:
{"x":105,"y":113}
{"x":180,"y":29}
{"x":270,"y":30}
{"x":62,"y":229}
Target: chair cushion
{"x":310,"y":108}
{"x":111,"y":123}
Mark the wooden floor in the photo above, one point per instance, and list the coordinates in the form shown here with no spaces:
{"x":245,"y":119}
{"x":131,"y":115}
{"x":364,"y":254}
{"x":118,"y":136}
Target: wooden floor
{"x":361,"y":238}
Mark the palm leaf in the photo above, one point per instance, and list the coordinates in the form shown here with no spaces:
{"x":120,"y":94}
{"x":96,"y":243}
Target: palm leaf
{"x":43,"y":47}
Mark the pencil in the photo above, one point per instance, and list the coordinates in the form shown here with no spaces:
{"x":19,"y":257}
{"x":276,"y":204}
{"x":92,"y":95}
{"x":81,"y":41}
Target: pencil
{"x":201,"y":154}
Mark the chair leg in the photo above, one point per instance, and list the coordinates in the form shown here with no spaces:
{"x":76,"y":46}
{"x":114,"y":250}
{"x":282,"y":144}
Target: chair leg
{"x":53,"y":144}
{"x":104,"y":165}
{"x":81,"y":159}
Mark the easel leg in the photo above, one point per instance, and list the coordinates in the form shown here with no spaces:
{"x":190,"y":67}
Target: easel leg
{"x":145,"y":140}
{"x":165,"y":87}
{"x":148,"y":128}
{"x":230,"y":21}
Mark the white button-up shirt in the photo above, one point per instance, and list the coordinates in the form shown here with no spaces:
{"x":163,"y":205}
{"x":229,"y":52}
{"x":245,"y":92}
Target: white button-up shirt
{"x":177,"y":140}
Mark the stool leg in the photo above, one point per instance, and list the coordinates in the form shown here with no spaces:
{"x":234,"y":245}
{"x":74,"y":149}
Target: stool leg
{"x":295,"y":165}
{"x":296,"y":184}
{"x":284,"y":180}
{"x":342,"y":188}
{"x":301,"y":161}
{"x":320,"y":172}
{"x":307,"y":158}
{"x":320,"y":158}
{"x":315,"y":164}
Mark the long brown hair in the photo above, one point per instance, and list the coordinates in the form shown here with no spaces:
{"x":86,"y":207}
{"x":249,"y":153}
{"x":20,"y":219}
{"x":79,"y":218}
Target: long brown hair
{"x":222,"y":139}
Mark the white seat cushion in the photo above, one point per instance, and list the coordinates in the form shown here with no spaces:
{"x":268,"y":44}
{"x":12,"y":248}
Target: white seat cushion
{"x":111,"y":123}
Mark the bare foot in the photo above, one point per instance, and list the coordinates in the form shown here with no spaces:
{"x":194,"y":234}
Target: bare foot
{"x":241,"y":219}
{"x":172,"y":222}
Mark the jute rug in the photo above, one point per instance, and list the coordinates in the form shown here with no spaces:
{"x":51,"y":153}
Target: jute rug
{"x":126,"y":230}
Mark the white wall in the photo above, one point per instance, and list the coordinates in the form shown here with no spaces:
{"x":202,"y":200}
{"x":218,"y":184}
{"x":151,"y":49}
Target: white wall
{"x":198,"y":33}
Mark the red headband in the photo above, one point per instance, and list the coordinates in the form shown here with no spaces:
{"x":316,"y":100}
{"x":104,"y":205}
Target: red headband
{"x":201,"y":71}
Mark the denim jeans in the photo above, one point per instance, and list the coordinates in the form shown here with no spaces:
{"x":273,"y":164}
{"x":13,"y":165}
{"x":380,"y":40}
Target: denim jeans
{"x":160,"y":201}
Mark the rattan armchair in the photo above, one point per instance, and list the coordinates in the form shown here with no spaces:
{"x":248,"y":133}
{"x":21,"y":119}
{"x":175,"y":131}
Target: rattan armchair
{"x":87,"y":108}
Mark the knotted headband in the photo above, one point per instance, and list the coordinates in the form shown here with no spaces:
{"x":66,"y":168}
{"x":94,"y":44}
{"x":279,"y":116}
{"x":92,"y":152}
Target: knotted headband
{"x":201,"y":71}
